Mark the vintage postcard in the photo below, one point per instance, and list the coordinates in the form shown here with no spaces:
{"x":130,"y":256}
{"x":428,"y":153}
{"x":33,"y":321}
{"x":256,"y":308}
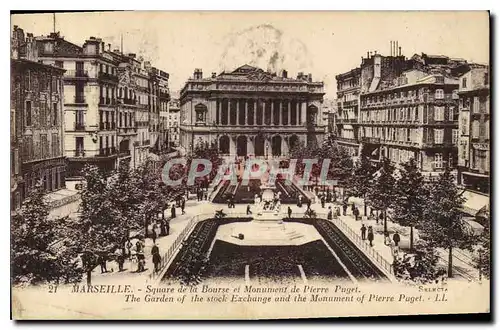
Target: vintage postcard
{"x":249,"y":165}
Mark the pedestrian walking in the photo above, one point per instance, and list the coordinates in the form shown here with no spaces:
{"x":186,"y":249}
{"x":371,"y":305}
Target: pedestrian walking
{"x":157,"y":229}
{"x":120,"y":258}
{"x":308,"y":204}
{"x":323,"y":200}
{"x":183,"y":205}
{"x":128,"y":245}
{"x":248,"y":210}
{"x":344,"y":208}
{"x":353,"y":207}
{"x":289,"y":212}
{"x":167,"y":227}
{"x":140,"y":262}
{"x":155,"y":252}
{"x":356,"y":213}
{"x":330,"y":213}
{"x":337,"y":211}
{"x":205,"y":195}
{"x":102,"y":262}
{"x":162,"y":227}
{"x":172,"y":211}
{"x":363,"y":232}
{"x":396,"y":238}
{"x":370,"y":235}
{"x":380,"y":217}
{"x":153,"y":234}
{"x":299,"y":202}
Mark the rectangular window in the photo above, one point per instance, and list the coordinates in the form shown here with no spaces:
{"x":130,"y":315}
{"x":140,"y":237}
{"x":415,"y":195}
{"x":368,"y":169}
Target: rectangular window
{"x":475,"y":129}
{"x":438,"y":161}
{"x":28,"y":113}
{"x":55,"y":114}
{"x":475,"y":105}
{"x":487,"y":130}
{"x":451,"y":113}
{"x":454,"y":134}
{"x":438,"y":113}
{"x":464,"y":82}
{"x":438,"y":136}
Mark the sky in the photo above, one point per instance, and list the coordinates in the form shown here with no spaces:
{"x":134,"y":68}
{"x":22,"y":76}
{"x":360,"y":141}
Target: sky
{"x":321,"y":43}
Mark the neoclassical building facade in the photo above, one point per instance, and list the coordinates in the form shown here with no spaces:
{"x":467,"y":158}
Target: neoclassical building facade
{"x":250,"y":112}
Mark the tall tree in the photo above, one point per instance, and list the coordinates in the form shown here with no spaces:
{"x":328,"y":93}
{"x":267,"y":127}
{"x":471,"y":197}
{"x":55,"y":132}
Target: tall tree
{"x":412,"y":197}
{"x":444,"y":226}
{"x":362,"y":179}
{"x":381,"y":196}
{"x":420,"y":266}
{"x":38,"y":254}
{"x":98,"y":230}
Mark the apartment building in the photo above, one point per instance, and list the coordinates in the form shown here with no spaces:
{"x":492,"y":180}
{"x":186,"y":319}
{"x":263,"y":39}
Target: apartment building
{"x":474,"y":129}
{"x":36,"y":121}
{"x":174,"y":117}
{"x":111,"y":103}
{"x":416,"y":117}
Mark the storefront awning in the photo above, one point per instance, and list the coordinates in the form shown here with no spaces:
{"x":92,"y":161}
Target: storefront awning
{"x":474,"y":202}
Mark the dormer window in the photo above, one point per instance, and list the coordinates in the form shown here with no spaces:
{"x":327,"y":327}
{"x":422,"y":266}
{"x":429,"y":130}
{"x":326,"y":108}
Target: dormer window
{"x":48,"y":48}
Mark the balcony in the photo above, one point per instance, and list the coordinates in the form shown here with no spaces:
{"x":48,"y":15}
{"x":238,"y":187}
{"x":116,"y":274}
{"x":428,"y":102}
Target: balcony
{"x":129,"y":101}
{"x":127,"y":130}
{"x":79,"y":127}
{"x":347,"y":120}
{"x":108,"y":77}
{"x":79,"y":100}
{"x":124,"y":153}
{"x":372,"y":140}
{"x":106,"y":126}
{"x":107,"y":151}
{"x":76,"y":74}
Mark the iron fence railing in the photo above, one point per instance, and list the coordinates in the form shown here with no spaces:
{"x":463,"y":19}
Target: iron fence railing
{"x":346,"y":230}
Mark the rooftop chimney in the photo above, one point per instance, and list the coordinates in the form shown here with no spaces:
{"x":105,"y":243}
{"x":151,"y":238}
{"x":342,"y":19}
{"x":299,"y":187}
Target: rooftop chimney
{"x":367,"y":54}
{"x":285,"y":74}
{"x":310,"y":77}
{"x":109,"y":47}
{"x":399,"y":51}
{"x":198,"y":74}
{"x":214,"y":74}
{"x":300,"y":75}
{"x":132,"y":55}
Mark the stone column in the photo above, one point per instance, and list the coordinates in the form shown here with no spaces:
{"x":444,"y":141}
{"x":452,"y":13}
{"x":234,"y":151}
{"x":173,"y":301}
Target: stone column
{"x":289,"y":109}
{"x":246,"y":112}
{"x":303,"y":115}
{"x":284,"y":146}
{"x":263,"y":113}
{"x":232,"y":145}
{"x":297,"y":112}
{"x":281,"y":113}
{"x":219,"y":111}
{"x":237,"y":112}
{"x":250,"y":145}
{"x":255,"y":111}
{"x":272,"y":112}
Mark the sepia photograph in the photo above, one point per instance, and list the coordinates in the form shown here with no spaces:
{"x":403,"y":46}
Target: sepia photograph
{"x":231,"y":165}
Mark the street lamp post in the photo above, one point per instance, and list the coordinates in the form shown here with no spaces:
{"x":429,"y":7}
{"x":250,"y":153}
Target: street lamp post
{"x":267,"y":151}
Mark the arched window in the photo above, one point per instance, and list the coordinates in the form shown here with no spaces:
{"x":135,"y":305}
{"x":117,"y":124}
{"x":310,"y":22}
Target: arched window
{"x":201,"y":113}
